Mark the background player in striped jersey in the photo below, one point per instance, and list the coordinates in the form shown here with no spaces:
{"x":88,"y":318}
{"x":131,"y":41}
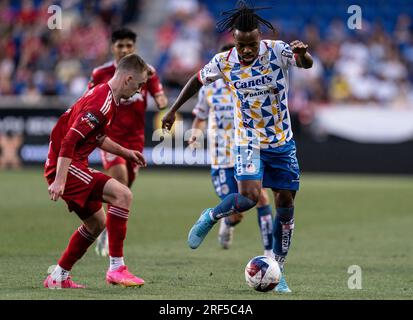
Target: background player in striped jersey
{"x":128,"y":127}
{"x":76,"y":134}
{"x":257,"y":72}
{"x":216,"y":104}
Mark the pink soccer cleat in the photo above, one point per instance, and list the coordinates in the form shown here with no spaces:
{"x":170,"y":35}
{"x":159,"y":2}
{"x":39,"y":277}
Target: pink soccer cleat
{"x":124,"y":278}
{"x":65,"y":284}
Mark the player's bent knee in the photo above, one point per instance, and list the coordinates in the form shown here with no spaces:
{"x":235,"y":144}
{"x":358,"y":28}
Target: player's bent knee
{"x":236,"y":218}
{"x":117,"y":194}
{"x":119,"y":173}
{"x":96,"y":229}
{"x":284,"y":199}
{"x":251,"y":194}
{"x":100,"y":226}
{"x":262,"y":203}
{"x":128,"y":196}
{"x":96,"y":223}
{"x":284,"y":203}
{"x":124,"y":198}
{"x":123,"y":180}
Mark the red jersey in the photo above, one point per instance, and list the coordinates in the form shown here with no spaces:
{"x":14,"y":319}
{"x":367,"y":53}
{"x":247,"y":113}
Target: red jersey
{"x":128,"y":127}
{"x":81,"y":128}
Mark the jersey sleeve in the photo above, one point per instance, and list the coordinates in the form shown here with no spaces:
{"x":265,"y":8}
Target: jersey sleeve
{"x":94,"y":80}
{"x":87,"y":123}
{"x":211,"y":72}
{"x":91,"y":83}
{"x":154,"y":84}
{"x":201,"y":109}
{"x":283,"y":51}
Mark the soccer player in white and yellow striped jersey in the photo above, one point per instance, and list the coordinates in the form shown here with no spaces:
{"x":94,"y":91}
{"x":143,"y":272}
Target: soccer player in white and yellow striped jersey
{"x":216,"y":105}
{"x":257,"y":72}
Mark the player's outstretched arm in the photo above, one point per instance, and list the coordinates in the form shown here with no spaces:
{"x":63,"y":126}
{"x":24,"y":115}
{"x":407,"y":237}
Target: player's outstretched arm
{"x":155,"y":88}
{"x":111,"y":146}
{"x":304,"y":59}
{"x":198,"y":127}
{"x":191,"y":87}
{"x":57,"y":188}
{"x":161,"y":101}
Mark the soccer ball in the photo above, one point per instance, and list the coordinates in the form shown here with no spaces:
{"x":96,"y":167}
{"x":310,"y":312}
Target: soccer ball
{"x":262,"y":273}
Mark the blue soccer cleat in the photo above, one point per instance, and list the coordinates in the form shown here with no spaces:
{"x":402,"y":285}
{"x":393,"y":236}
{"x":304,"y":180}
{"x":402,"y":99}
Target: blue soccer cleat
{"x":282,"y":286}
{"x":200,"y":229}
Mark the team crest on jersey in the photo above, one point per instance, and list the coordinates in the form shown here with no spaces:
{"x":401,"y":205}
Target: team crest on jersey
{"x":91,"y":120}
{"x":90,"y":92}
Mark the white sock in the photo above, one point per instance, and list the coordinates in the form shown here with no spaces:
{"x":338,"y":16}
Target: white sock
{"x":116,"y":263}
{"x":59,"y":274}
{"x":281,"y":261}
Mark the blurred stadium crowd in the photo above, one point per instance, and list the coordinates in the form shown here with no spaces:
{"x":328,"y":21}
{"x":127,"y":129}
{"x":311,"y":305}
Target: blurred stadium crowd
{"x":35,"y":60}
{"x":371,"y":65}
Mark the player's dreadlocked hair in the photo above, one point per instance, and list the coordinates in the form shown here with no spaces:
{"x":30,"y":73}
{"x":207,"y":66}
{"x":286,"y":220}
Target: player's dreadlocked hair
{"x":243,"y":19}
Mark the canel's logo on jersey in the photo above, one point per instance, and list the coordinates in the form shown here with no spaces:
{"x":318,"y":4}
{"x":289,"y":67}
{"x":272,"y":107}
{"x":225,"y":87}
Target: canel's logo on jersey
{"x":252,"y":83}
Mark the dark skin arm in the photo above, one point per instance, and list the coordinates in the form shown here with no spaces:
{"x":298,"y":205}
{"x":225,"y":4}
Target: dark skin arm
{"x":304,"y":59}
{"x":190,"y":89}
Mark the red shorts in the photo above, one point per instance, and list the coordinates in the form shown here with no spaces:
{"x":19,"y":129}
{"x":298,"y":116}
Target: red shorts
{"x":109,"y":160}
{"x":83,"y":190}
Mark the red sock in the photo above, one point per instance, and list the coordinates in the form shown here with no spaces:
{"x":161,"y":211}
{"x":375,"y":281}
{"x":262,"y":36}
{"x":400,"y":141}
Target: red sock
{"x":116,"y":221}
{"x":79,"y":242}
{"x":108,"y":205}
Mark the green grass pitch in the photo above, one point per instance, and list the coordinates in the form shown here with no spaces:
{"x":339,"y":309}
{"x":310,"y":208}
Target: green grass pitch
{"x":340,"y":221}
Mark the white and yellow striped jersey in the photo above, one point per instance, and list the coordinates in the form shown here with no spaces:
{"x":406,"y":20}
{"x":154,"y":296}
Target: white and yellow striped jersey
{"x":216,"y":103}
{"x":261,"y":115}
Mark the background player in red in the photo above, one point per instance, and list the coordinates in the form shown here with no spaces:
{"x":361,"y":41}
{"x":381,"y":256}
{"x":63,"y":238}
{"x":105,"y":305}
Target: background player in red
{"x":128,"y":127}
{"x":76,"y":134}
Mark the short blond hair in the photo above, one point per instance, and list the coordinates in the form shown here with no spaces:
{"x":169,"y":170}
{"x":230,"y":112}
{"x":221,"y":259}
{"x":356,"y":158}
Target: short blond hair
{"x":132,"y":62}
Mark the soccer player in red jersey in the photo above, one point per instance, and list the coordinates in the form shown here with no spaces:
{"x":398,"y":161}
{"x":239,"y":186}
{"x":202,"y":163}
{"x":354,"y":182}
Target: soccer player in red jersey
{"x":128,"y":127}
{"x":76,"y":134}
